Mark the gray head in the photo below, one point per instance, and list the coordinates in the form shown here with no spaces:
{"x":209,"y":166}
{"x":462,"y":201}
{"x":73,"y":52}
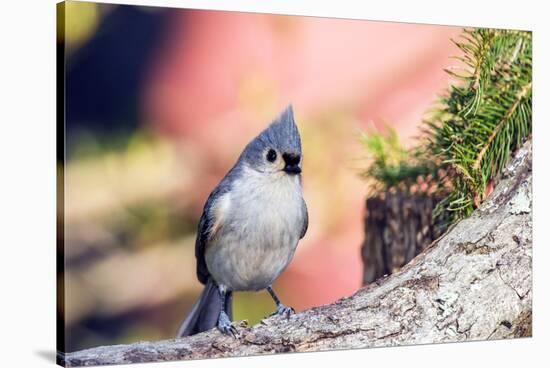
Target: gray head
{"x":278,"y":148}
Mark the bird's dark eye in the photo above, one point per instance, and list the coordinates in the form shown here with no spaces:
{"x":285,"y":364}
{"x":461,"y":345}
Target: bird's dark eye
{"x":271,"y":155}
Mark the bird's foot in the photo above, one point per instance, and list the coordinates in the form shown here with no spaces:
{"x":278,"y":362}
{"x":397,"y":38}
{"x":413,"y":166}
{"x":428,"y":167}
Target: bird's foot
{"x":226,"y":326}
{"x":283,"y":311}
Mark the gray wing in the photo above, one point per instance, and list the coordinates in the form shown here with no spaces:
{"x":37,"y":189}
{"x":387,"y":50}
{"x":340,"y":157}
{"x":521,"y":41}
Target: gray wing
{"x":205,"y":224}
{"x":306,"y":219}
{"x":203,"y":233}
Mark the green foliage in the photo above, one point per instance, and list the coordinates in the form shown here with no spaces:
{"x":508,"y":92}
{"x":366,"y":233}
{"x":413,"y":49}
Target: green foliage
{"x":392,"y":165}
{"x":482,"y":119}
{"x":485,"y":117}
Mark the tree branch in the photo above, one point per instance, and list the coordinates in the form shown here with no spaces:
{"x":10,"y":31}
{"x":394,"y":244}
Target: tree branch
{"x":474,"y":283}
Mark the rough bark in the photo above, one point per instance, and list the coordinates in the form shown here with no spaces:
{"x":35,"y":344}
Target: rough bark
{"x":398,"y":226}
{"x":473,"y":283}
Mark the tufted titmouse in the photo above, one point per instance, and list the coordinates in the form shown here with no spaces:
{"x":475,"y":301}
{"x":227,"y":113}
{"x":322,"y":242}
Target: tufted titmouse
{"x":250,"y":226}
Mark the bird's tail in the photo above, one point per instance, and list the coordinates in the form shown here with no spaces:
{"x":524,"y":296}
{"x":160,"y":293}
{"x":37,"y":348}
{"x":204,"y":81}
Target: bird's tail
{"x":206,"y":310}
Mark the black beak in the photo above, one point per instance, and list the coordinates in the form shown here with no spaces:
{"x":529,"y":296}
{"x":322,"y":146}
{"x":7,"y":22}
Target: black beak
{"x":292,"y":163}
{"x":292,"y":169}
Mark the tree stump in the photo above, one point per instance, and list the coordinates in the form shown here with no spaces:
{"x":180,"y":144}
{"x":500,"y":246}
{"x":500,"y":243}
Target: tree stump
{"x":398,"y":226}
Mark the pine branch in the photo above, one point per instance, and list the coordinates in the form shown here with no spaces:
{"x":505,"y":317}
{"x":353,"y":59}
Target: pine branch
{"x":503,"y":121}
{"x":478,"y":124}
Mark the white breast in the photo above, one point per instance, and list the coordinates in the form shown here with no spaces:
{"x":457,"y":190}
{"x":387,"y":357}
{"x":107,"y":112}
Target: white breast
{"x":263,"y":219}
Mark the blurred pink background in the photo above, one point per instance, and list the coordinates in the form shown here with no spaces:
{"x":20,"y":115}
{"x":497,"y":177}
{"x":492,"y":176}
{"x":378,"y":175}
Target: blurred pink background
{"x":197,"y":93}
{"x":222,"y":77}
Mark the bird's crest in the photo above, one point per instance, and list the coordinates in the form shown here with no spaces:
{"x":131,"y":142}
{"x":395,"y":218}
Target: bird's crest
{"x":281,"y":134}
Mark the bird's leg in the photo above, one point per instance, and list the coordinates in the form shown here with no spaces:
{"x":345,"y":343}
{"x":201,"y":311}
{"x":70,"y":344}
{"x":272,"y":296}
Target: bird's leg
{"x":281,"y":309}
{"x":224,"y":322}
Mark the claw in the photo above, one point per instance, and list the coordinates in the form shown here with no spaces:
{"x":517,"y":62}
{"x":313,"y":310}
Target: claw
{"x":226,"y":326}
{"x":283,"y":311}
